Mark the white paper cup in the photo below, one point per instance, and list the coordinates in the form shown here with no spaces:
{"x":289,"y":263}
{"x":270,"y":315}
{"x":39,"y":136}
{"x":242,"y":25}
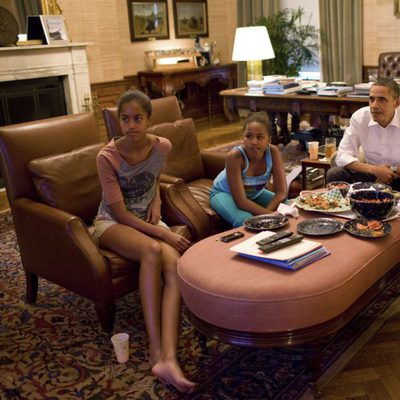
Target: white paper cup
{"x":313,"y":150}
{"x":120,"y":342}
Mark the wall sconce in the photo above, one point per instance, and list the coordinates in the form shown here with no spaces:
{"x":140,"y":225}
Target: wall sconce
{"x":252,"y":44}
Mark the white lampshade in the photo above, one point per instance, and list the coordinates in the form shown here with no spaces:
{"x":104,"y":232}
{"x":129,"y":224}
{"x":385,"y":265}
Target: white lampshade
{"x":252,"y":43}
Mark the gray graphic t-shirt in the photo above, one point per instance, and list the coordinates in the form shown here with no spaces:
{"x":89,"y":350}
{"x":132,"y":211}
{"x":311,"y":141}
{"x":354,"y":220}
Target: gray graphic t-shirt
{"x":134,"y":184}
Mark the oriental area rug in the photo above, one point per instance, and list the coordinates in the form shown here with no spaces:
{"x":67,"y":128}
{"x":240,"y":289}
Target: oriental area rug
{"x":56,"y":349}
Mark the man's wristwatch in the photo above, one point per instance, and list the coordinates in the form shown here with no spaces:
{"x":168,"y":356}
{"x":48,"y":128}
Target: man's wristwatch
{"x":394,"y":168}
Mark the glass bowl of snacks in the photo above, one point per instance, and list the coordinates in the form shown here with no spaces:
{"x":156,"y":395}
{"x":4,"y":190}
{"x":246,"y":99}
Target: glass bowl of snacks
{"x":372,"y":204}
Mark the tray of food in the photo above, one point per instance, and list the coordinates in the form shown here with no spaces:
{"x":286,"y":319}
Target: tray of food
{"x":330,"y":201}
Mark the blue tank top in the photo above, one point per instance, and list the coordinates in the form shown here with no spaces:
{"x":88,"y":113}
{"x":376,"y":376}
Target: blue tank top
{"x":253,"y":185}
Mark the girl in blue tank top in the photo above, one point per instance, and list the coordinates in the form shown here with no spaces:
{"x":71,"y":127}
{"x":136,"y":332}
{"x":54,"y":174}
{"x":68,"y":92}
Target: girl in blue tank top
{"x":239,"y":191}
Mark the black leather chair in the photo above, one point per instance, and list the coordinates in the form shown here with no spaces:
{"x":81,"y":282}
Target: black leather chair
{"x":389,"y":65}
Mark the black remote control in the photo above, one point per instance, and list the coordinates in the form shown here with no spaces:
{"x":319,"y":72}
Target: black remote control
{"x":231,"y":237}
{"x":268,"y":248}
{"x":274,"y":238}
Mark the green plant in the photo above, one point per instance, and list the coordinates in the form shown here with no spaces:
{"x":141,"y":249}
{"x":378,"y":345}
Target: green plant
{"x":295,"y":44}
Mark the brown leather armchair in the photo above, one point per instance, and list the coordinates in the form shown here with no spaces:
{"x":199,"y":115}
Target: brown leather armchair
{"x":189,"y":172}
{"x":389,"y":65}
{"x":49,"y":167}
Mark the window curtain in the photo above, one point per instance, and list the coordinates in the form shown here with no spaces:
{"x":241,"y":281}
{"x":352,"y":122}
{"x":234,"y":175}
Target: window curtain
{"x":248,"y":12}
{"x":341,"y":40}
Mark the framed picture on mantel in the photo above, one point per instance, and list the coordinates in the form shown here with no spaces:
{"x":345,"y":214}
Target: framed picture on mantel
{"x":47,"y":29}
{"x":190,"y":18}
{"x":148,"y":20}
{"x":55,"y":29}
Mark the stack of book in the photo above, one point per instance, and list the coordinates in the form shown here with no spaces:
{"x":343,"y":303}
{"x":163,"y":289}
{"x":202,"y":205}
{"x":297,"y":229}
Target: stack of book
{"x":314,"y":178}
{"x":334,"y":91}
{"x":281,"y":87}
{"x":361,"y":90}
{"x":292,"y":257}
{"x":256,"y":87}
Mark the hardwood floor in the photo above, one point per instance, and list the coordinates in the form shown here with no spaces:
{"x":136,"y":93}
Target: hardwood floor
{"x":374,"y":372}
{"x":218,"y":132}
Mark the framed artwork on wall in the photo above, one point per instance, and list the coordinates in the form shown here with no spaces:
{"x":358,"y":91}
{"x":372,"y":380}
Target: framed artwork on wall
{"x":190,"y":18}
{"x":397,"y":8}
{"x":148,"y":20}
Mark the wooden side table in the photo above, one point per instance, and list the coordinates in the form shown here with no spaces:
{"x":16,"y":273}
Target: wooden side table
{"x":320,"y":163}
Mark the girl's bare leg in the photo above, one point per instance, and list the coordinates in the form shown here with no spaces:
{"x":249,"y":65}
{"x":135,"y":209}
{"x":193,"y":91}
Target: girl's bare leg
{"x":160,"y":307}
{"x":136,"y":246}
{"x":167,"y":368}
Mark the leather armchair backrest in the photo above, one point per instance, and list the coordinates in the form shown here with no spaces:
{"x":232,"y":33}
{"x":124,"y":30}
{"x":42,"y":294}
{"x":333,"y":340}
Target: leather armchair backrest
{"x":184,"y":160}
{"x":21,"y":143}
{"x":389,"y":65}
{"x":165,"y":109}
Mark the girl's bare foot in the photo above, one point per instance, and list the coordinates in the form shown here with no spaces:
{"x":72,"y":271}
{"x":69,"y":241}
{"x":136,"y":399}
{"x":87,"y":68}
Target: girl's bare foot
{"x":169,"y":372}
{"x":154,"y":357}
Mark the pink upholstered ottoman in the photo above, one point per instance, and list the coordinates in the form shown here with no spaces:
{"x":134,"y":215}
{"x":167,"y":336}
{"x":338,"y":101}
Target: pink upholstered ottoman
{"x":230,"y":293}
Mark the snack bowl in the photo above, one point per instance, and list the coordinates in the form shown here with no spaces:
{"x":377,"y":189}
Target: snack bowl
{"x":372,"y":204}
{"x":368,"y":185}
{"x":344,"y":187}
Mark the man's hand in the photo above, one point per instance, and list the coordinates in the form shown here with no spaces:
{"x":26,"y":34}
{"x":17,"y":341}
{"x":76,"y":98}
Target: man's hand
{"x":384,"y":174}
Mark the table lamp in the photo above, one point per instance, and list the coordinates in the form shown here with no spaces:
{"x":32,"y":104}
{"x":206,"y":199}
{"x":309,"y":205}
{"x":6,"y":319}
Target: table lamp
{"x":252,"y":44}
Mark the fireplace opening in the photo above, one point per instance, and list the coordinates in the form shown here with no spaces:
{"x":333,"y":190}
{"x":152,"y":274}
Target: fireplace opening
{"x":31,"y":99}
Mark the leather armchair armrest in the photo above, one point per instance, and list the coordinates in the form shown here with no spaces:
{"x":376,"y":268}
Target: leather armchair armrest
{"x":70,"y":258}
{"x":170,"y":179}
{"x":179,"y":207}
{"x":214,"y":162}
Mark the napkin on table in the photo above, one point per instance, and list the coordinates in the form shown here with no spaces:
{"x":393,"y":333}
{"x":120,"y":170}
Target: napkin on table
{"x":288,"y":209}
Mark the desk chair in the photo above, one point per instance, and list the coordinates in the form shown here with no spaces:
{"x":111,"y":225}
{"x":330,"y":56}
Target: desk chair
{"x":389,"y":65}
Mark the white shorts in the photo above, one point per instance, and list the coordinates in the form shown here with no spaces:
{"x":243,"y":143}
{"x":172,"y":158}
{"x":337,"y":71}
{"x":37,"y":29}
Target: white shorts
{"x":100,"y":226}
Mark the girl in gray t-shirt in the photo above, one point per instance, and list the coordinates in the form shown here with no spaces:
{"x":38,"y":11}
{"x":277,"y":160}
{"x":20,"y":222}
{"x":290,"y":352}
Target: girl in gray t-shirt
{"x":128,"y":223}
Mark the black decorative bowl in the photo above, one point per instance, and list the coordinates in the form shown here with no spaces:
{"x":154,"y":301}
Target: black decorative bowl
{"x":368,"y":185}
{"x":342,"y":186}
{"x":372,"y":204}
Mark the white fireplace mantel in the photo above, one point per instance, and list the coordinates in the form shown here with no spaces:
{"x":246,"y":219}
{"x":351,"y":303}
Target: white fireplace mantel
{"x":68,"y":61}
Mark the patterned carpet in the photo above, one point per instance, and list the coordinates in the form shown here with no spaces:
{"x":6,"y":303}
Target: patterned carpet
{"x":56,"y":349}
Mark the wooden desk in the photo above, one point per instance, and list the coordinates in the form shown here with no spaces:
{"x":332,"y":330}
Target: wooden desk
{"x":279,"y":106}
{"x":171,"y":82}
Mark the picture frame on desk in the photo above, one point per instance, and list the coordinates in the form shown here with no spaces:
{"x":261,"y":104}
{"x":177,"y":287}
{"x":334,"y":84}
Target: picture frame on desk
{"x":190,"y":18}
{"x":204,"y":59}
{"x":148,"y":20}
